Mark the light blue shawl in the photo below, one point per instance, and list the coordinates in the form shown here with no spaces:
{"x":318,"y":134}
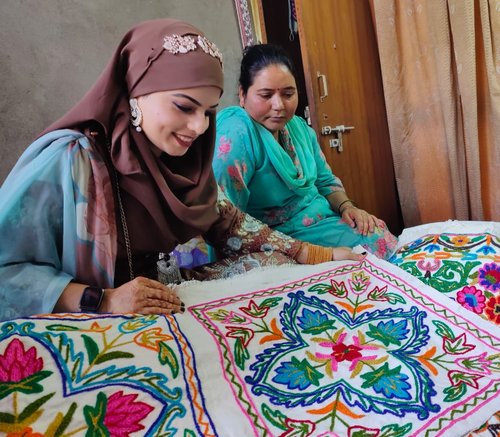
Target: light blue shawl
{"x":57,"y":224}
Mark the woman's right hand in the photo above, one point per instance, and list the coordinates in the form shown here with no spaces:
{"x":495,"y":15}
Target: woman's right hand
{"x":142,"y":296}
{"x":343,"y":253}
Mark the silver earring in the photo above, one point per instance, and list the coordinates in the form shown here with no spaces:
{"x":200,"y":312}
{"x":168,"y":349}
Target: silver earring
{"x":136,"y":115}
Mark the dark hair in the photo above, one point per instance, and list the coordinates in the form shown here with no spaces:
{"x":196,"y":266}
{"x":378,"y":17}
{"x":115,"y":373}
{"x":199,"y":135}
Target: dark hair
{"x":259,"y":56}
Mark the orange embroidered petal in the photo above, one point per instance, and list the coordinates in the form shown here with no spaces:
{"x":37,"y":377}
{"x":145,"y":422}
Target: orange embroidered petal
{"x":346,"y":305}
{"x":270,"y":337}
{"x":338,"y":406}
{"x":275,"y":329}
{"x":360,"y":308}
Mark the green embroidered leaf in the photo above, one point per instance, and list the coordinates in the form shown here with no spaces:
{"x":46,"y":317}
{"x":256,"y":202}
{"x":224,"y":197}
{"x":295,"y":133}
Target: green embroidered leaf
{"x":276,"y":417}
{"x":66,"y":420}
{"x":454,"y":392}
{"x":94,"y":417}
{"x":189,"y":433}
{"x":412,"y":269}
{"x":33,"y":407}
{"x":27,"y":385}
{"x":443,"y":330}
{"x":363,"y":432}
{"x":298,"y":429}
{"x":59,"y":328}
{"x":113,"y":356}
{"x":394,"y":430}
{"x":270,"y":302}
{"x":452,"y":276}
{"x":167,"y":356}
{"x":91,"y":346}
{"x":7,"y":418}
{"x":320,"y":288}
{"x":394,"y":298}
{"x":241,"y":354}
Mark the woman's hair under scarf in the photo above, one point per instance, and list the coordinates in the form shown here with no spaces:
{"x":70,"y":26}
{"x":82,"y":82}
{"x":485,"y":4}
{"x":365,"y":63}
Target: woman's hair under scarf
{"x":178,"y":193}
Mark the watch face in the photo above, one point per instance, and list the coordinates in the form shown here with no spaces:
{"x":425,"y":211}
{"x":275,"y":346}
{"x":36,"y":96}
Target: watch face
{"x":91,"y":299}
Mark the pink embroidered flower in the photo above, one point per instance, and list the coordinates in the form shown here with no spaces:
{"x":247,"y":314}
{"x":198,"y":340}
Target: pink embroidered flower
{"x":429,"y":266}
{"x":123,"y":415}
{"x":17,"y":364}
{"x":224,"y":147}
{"x":472,"y":299}
{"x":307,"y":221}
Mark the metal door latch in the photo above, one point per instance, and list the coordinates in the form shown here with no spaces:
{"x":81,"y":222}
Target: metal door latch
{"x":337,"y":131}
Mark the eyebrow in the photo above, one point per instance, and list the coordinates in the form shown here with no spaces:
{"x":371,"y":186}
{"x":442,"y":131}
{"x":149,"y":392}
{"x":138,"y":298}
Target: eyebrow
{"x":194,"y":100}
{"x":273,"y":89}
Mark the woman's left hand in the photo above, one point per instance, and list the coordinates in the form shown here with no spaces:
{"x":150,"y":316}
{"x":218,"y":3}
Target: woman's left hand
{"x":361,"y":220}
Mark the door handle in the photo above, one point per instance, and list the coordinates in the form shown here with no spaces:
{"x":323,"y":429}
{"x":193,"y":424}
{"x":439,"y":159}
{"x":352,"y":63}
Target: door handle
{"x":322,"y":78}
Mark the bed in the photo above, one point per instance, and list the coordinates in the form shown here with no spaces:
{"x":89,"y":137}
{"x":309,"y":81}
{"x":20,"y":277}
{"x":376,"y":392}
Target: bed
{"x":408,"y":347}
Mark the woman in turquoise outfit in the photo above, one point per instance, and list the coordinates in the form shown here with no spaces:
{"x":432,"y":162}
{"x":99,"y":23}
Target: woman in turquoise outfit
{"x":269,"y":163}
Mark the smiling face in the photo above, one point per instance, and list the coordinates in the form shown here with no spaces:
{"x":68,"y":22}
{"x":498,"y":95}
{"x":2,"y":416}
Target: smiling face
{"x":172,"y":120}
{"x":272,"y":98}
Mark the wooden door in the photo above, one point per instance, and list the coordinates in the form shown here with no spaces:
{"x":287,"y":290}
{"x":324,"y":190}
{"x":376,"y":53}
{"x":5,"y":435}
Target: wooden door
{"x":340,"y":56}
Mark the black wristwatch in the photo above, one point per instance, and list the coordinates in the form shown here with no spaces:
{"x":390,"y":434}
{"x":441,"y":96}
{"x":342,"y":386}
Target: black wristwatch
{"x":91,"y":299}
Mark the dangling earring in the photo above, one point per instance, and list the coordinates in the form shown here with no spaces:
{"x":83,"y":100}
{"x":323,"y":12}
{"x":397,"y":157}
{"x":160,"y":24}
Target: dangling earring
{"x":136,"y":115}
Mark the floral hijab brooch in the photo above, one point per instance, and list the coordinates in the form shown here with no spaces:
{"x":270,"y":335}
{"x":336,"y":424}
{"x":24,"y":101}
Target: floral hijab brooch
{"x":184,"y":44}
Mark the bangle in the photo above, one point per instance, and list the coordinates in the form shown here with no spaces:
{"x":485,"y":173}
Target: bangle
{"x":318,"y":254}
{"x":345,"y":201}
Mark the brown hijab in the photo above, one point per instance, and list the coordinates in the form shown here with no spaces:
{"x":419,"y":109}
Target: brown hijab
{"x":166,"y":200}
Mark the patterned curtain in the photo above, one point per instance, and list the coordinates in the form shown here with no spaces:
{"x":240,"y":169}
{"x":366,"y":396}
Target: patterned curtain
{"x":441,"y":72}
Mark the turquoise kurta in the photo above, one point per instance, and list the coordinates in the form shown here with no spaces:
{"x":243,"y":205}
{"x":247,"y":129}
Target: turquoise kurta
{"x":284,"y":185}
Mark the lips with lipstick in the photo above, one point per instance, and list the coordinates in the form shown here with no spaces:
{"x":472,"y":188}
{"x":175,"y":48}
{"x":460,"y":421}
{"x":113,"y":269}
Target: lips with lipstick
{"x":183,"y":140}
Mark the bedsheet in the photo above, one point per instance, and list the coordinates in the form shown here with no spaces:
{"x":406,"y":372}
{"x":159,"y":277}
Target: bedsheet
{"x":340,"y":349}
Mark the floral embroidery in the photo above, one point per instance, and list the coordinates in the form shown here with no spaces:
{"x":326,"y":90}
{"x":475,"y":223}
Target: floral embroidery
{"x":224,"y":147}
{"x":456,"y":264}
{"x":492,"y":309}
{"x":80,"y":377}
{"x":124,"y":414}
{"x":326,"y":354}
{"x":307,"y":221}
{"x":236,"y":173}
{"x":471,"y":299}
{"x":17,"y":364}
{"x":489,"y":276}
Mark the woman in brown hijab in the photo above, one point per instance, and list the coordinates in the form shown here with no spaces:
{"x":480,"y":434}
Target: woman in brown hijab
{"x":124,"y":176}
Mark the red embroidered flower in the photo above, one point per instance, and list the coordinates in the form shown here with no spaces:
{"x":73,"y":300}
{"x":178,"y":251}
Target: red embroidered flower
{"x":17,"y":364}
{"x":342,"y":352}
{"x":492,"y":309}
{"x":123,"y":415}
